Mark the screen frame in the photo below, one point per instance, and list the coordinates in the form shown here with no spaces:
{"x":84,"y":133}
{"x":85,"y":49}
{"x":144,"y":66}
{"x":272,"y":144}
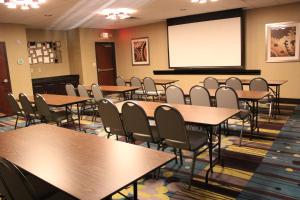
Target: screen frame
{"x":209,"y":17}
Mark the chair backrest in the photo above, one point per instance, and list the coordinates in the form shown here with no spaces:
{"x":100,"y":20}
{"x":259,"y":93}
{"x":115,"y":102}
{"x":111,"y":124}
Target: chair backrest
{"x":26,"y":104}
{"x":200,"y":96}
{"x":136,"y":82}
{"x":110,"y":117}
{"x":42,"y":107}
{"x":234,"y":83}
{"x":211,"y":83}
{"x":13,"y":184}
{"x":149,"y":85}
{"x":70,"y":90}
{"x":13,"y":104}
{"x":171,"y":127}
{"x":259,"y":84}
{"x":82,"y":91}
{"x":227,"y":98}
{"x":135,"y":120}
{"x":175,"y":95}
{"x":98,"y":95}
{"x":120,"y":81}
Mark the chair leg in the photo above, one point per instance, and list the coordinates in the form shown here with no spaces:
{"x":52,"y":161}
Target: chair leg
{"x":16,"y":124}
{"x":241,"y":134}
{"x":270,"y":111}
{"x":148,"y":145}
{"x":175,"y":152}
{"x":181,"y":158}
{"x":192,"y":170}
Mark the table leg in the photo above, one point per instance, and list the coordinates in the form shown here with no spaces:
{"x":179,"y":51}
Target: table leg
{"x":278,"y":98}
{"x":210,"y":149}
{"x":135,"y":190}
{"x":78,"y":115}
{"x":256,"y":115}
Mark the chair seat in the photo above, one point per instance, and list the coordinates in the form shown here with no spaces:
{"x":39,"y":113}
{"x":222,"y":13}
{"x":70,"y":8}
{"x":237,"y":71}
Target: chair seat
{"x":59,"y":115}
{"x":197,"y":139}
{"x":243,"y":114}
{"x":155,"y":93}
{"x":147,"y":138}
{"x":139,"y":92}
{"x":43,"y":189}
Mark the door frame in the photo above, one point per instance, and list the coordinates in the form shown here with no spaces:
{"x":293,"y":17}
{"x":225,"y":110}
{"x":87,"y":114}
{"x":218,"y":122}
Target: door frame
{"x":114,"y":58}
{"x":7,"y":67}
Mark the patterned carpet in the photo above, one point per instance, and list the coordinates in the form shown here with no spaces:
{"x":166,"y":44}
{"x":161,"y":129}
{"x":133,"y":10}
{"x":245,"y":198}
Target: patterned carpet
{"x":267,"y":167}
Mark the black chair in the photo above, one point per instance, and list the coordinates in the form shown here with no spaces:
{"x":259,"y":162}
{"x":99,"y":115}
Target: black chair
{"x":173,"y":133}
{"x":15,"y":108}
{"x":18,"y":185}
{"x":29,"y":110}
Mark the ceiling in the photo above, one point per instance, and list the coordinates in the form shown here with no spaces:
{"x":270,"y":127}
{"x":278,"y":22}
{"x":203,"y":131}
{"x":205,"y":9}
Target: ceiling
{"x":69,"y":14}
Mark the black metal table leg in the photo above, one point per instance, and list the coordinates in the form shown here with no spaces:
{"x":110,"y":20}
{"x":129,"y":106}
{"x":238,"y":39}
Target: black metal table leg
{"x":78,"y":115}
{"x":135,"y":190}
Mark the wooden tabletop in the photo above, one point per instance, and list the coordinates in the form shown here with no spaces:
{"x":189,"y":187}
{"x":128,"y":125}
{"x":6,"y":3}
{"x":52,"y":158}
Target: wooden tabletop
{"x":60,"y":100}
{"x":115,"y":88}
{"x":191,"y":114}
{"x":158,"y":81}
{"x":247,"y":82}
{"x":242,"y":94}
{"x":85,"y":166}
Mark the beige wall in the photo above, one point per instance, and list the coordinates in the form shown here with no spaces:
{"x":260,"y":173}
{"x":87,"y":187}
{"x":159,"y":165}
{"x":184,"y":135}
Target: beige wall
{"x":255,"y":50}
{"x":14,"y":37}
{"x":74,"y":51}
{"x":48,"y":70}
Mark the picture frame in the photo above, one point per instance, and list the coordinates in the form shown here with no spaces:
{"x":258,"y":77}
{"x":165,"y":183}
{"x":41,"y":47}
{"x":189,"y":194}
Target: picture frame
{"x":283,"y":42}
{"x":140,"y":51}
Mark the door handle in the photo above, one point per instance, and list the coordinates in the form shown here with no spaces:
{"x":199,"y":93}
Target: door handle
{"x":105,"y":70}
{"x":5,"y":80}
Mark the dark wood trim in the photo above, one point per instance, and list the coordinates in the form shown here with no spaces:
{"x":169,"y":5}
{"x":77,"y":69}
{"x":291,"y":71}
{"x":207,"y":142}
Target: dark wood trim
{"x":207,"y":72}
{"x":290,"y":100}
{"x":6,"y":61}
{"x":208,"y":17}
{"x":114,"y":58}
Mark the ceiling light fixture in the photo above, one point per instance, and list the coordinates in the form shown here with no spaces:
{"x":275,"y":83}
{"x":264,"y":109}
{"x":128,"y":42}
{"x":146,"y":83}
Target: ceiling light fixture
{"x":23,"y":4}
{"x":203,"y":1}
{"x":118,"y":13}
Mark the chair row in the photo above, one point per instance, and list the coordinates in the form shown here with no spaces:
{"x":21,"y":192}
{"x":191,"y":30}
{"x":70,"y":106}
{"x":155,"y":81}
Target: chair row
{"x":148,"y":87}
{"x":39,"y":111}
{"x":170,"y":129}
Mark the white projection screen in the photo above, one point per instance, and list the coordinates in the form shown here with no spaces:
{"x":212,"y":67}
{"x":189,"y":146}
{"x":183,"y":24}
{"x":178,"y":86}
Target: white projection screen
{"x":206,"y":44}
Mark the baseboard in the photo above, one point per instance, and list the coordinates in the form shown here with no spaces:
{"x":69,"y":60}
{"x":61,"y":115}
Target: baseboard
{"x":289,"y":100}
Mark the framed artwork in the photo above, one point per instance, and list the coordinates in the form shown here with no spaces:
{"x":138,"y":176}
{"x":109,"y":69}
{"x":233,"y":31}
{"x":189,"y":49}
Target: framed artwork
{"x":283,"y":42}
{"x":140,"y":51}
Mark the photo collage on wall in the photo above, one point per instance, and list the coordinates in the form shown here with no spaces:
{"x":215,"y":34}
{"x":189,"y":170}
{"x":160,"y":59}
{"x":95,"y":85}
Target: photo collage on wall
{"x":44,"y":52}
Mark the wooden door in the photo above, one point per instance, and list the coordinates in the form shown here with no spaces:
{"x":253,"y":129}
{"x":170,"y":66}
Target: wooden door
{"x":5,"y":86}
{"x":106,"y":63}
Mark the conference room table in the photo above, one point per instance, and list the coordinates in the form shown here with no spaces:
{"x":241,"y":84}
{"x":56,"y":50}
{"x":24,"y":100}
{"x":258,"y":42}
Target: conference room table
{"x":162,"y":82}
{"x":208,"y":117}
{"x":55,"y":100}
{"x":116,"y":89}
{"x":244,"y":95}
{"x":272,"y":83}
{"x":82,"y":165}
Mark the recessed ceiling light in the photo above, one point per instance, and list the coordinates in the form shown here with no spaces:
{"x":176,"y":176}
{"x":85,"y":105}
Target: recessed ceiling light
{"x":117,"y":13}
{"x":23,"y":4}
{"x":203,"y":1}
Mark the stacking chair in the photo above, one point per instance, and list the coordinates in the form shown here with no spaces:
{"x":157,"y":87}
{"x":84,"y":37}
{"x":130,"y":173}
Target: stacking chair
{"x":29,"y":110}
{"x":47,"y":115}
{"x":234,"y":83}
{"x":211,"y":83}
{"x":200,"y":96}
{"x":226,"y":97}
{"x":15,"y":108}
{"x":120,"y":81}
{"x":175,"y":95}
{"x":70,"y":90}
{"x":111,"y":119}
{"x":137,"y":124}
{"x":260,"y":84}
{"x":173,"y":133}
{"x":98,"y":96}
{"x":87,"y":105}
{"x":136,"y":82}
{"x":151,"y":90}
{"x":17,"y":185}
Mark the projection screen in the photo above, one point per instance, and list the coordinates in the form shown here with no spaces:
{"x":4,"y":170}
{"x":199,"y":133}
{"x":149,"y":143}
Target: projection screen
{"x":206,"y":44}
